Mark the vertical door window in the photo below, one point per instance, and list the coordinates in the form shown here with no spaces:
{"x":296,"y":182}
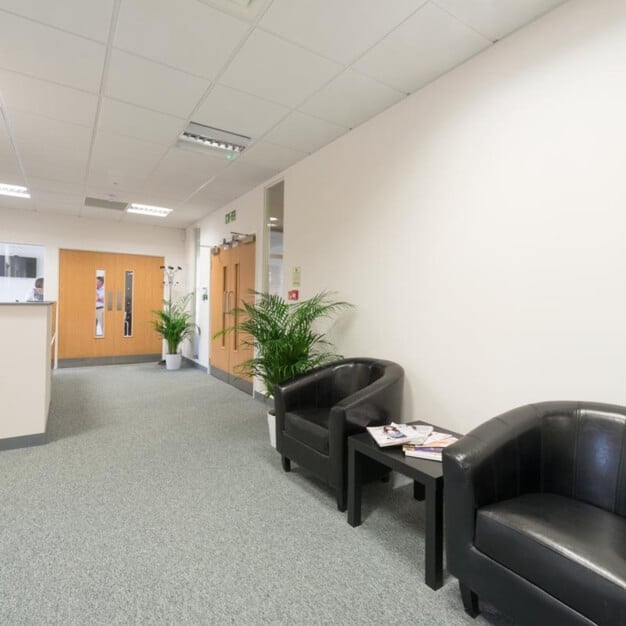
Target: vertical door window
{"x":274,"y":210}
{"x":224,"y":301}
{"x":100,"y":287}
{"x":129,"y":277}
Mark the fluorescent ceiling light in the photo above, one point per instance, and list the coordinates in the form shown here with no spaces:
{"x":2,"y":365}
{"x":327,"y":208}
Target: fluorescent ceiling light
{"x":14,"y":190}
{"x":145,"y":209}
{"x":273,"y":219}
{"x":208,"y":139}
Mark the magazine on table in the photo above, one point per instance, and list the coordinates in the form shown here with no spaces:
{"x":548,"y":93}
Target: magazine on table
{"x":431,"y":448}
{"x":396,"y":434}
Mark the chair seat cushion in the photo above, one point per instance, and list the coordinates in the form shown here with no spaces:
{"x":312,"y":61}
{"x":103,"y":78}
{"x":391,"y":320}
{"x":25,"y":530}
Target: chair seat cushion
{"x":572,"y":550}
{"x":310,"y":426}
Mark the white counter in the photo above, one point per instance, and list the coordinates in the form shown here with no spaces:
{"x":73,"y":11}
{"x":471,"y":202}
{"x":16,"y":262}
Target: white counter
{"x":25,"y":371}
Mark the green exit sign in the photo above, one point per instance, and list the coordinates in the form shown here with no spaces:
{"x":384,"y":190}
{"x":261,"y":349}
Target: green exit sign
{"x":230,"y":217}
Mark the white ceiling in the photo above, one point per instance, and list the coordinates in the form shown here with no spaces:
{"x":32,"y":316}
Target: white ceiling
{"x":94,"y":93}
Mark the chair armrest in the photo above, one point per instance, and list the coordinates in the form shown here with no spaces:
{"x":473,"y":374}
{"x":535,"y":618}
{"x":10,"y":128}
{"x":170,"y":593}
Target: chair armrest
{"x":497,"y":460}
{"x":378,"y":403}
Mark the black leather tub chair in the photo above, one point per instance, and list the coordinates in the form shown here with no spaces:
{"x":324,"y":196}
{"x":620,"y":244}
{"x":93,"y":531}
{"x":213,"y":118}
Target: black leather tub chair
{"x":535,"y":503}
{"x":316,"y":412}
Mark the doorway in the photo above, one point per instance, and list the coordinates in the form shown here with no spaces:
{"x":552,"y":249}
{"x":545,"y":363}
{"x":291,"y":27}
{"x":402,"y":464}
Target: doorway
{"x":232,"y":280}
{"x":105,"y":307}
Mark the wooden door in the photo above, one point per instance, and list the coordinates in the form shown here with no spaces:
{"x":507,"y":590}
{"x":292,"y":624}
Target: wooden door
{"x":106,"y":303}
{"x":242,"y":274}
{"x":139,"y":293}
{"x":232,"y":280}
{"x":219,"y":319}
{"x":86,"y":328}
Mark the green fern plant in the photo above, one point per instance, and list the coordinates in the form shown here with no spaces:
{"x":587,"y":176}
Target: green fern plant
{"x":174,"y":323}
{"x":283,"y":336}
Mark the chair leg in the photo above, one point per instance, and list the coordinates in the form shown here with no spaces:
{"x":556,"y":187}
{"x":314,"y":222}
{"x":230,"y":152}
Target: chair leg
{"x":342,"y":500}
{"x":286,"y":463}
{"x":470,"y":600}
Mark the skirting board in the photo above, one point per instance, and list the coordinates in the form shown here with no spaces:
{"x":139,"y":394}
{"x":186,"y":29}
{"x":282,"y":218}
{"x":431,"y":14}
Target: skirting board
{"x":195,"y":364}
{"x":239,"y":383}
{"x":268,"y":402}
{"x":25,"y":441}
{"x":110,"y":360}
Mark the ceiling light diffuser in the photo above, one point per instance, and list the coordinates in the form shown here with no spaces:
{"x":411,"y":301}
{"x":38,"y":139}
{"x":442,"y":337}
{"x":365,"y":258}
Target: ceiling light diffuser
{"x":145,"y":209}
{"x":14,"y":190}
{"x":208,"y":139}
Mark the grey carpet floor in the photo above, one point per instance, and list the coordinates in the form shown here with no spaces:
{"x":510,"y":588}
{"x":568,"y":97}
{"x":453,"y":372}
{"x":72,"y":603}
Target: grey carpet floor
{"x":158,"y":500}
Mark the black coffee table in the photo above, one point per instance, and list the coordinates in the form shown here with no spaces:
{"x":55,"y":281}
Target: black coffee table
{"x":427,"y":479}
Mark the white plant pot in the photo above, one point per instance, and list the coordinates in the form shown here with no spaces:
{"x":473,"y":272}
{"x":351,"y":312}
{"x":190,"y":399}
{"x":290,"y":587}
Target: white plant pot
{"x":271,"y":424}
{"x":173,"y":361}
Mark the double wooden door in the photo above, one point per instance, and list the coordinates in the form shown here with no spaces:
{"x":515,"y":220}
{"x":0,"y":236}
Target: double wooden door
{"x":232,"y":280}
{"x":106,"y":302}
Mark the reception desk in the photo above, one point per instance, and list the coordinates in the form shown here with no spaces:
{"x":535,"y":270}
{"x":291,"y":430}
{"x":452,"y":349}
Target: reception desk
{"x":25,"y":372}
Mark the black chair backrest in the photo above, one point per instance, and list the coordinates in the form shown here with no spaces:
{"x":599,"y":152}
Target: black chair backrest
{"x":583,"y":454}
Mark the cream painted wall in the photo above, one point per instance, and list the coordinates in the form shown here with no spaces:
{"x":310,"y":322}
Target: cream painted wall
{"x":478,"y":225}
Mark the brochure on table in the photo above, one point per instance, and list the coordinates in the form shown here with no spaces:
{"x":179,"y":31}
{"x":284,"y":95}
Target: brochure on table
{"x":397,"y":434}
{"x":431,"y":448}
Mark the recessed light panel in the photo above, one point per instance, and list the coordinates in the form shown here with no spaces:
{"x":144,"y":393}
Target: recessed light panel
{"x":14,"y":190}
{"x":201,"y":138}
{"x":146,"y":209}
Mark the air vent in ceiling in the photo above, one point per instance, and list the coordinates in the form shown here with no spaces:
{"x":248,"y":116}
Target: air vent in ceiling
{"x":215,"y":141}
{"x":99,"y":203}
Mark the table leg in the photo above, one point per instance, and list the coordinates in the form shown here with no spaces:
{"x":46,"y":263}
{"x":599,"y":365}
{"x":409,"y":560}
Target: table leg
{"x":354,"y":486}
{"x":434,"y":534}
{"x":418,"y":491}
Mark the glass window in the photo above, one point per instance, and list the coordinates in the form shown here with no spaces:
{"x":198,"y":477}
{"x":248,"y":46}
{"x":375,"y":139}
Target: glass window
{"x":21,"y":273}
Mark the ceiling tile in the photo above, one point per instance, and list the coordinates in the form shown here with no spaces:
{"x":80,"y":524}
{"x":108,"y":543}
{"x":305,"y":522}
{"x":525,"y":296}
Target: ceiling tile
{"x":152,"y":85}
{"x":44,"y":184}
{"x":427,"y":45}
{"x":50,"y":54}
{"x":90,"y":18}
{"x":274,"y":69}
{"x":10,"y":172}
{"x":239,"y":178}
{"x":497,"y":18}
{"x":338,"y":30}
{"x":132,"y":121}
{"x":97,"y":213}
{"x":54,"y":201}
{"x":47,"y":99}
{"x":239,"y":10}
{"x":238,"y":112}
{"x":272,"y":156}
{"x":303,"y":132}
{"x":351,"y":99}
{"x":51,"y":149}
{"x":211,"y":197}
{"x":10,"y":202}
{"x":135,"y":158}
{"x":181,"y":172}
{"x":184,"y":34}
{"x":124,"y":190}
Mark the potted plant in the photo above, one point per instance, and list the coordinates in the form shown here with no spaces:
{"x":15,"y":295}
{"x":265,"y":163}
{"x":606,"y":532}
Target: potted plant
{"x":174,"y":323}
{"x":283,"y":337}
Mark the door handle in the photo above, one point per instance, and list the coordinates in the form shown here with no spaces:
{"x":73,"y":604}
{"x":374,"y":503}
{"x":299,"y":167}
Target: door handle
{"x":119,"y":300}
{"x":109,"y":301}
